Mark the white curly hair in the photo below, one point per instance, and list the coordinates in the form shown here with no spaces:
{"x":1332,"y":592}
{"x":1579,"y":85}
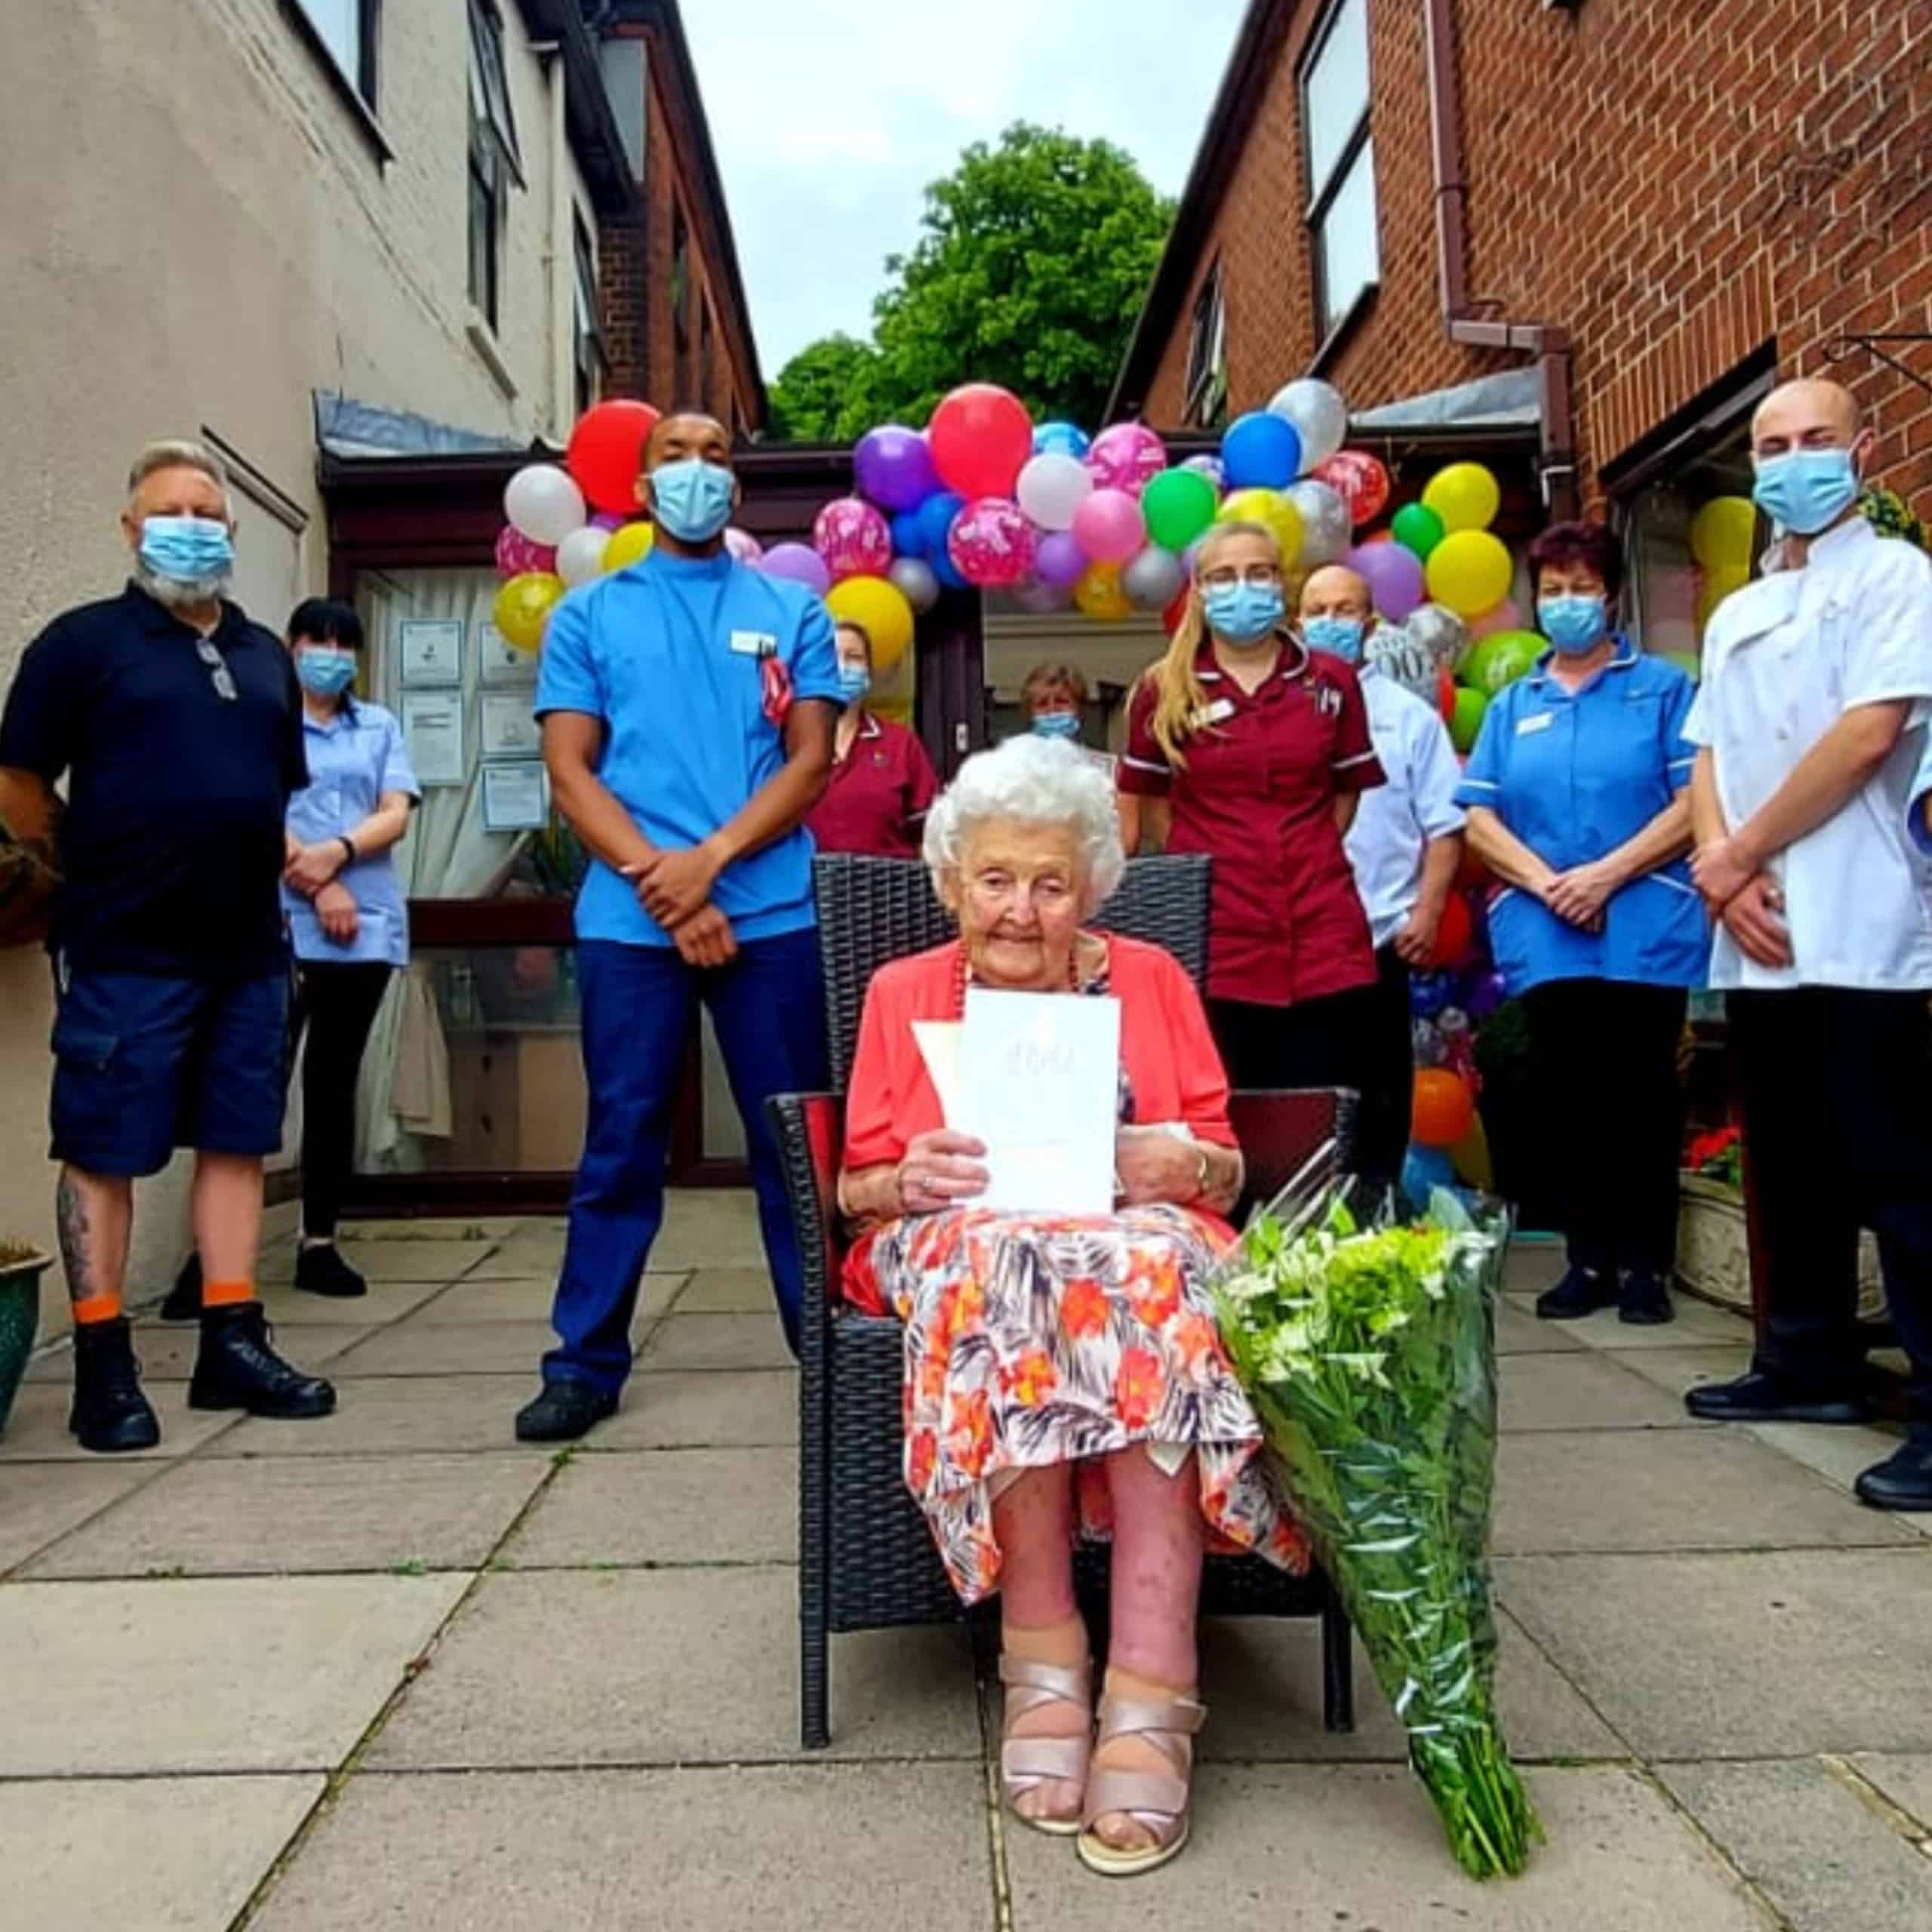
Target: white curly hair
{"x":1033,"y":781}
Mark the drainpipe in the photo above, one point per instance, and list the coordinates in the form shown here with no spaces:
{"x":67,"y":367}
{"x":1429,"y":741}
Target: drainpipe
{"x":1556,"y":460}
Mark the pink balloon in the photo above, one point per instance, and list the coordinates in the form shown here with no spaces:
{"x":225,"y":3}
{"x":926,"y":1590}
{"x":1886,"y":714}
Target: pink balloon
{"x":992,"y":543}
{"x":1393,"y":576}
{"x":1059,"y":562}
{"x":1505,"y":617}
{"x":854,"y":539}
{"x":743,"y":545}
{"x":800,"y":563}
{"x":1110,"y":527}
{"x":517,"y":553}
{"x":1128,"y":457}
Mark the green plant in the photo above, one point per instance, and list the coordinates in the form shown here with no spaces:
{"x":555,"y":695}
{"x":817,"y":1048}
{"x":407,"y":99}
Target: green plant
{"x":1890,"y":515}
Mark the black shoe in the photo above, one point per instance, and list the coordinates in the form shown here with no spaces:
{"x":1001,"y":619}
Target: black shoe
{"x":1645,"y":1301}
{"x":1581,"y":1292}
{"x":110,"y":1414}
{"x":184,"y":1299}
{"x":320,"y":1270}
{"x":1756,"y":1396}
{"x":237,"y":1369}
{"x":1903,"y":1480}
{"x":564,"y":1411}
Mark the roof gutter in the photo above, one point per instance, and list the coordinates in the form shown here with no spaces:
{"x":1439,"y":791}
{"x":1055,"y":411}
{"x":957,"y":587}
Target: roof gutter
{"x":1556,"y":459}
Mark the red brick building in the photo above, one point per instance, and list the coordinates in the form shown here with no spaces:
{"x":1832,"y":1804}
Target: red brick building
{"x":1658,"y":207}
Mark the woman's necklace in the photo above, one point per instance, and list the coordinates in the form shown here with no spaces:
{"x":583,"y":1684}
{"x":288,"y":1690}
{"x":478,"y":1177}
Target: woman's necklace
{"x":962,"y":974}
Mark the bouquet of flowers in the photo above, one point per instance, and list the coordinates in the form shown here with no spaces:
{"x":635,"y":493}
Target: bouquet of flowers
{"x":1368,"y":1346}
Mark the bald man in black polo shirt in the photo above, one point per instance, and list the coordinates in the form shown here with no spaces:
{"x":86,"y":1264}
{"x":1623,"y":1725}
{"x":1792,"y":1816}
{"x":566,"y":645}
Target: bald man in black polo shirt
{"x":178,"y":725}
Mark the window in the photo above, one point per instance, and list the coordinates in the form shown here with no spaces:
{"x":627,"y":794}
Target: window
{"x":495,"y":161}
{"x":347,"y":30}
{"x":1206,"y":403}
{"x":1341,"y":164}
{"x":681,"y":294}
{"x":704,"y":354}
{"x":590,"y":352}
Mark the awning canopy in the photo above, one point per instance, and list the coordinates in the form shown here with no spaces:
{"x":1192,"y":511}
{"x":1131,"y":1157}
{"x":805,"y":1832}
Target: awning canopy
{"x":1506,"y":400}
{"x":346,"y":428}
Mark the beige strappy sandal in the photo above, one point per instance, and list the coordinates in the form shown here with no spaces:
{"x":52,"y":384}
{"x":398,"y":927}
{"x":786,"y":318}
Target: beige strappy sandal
{"x":1156,"y":1801}
{"x":1026,"y":1764}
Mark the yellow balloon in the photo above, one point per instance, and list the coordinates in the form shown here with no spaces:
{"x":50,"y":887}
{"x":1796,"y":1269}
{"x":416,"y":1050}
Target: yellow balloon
{"x":1470,"y":571}
{"x":1723,"y":534}
{"x":880,"y":607}
{"x":1099,"y":595}
{"x":629,"y":544}
{"x":1466,"y":496}
{"x":1272,"y":511}
{"x":524,"y":606}
{"x":1470,"y":1158}
{"x":1717,"y":585}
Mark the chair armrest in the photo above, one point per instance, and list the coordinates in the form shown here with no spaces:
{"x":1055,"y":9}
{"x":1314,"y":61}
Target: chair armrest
{"x":1280,"y":1130}
{"x":809,"y":1129}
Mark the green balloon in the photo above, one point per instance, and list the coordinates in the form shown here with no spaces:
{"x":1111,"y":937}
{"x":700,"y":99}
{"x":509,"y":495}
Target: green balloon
{"x":1500,"y":660}
{"x":1418,"y":528}
{"x":1178,"y":505}
{"x":1467,"y":721}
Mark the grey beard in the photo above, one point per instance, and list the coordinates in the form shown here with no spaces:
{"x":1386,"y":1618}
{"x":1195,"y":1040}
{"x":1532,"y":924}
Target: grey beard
{"x":177,"y":593}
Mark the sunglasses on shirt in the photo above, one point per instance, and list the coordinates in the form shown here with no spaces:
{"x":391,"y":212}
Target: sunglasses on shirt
{"x":219,"y":674}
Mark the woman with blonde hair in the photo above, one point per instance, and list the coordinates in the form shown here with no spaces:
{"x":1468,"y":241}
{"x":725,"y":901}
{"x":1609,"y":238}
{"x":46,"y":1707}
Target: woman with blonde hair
{"x":1244,"y":744}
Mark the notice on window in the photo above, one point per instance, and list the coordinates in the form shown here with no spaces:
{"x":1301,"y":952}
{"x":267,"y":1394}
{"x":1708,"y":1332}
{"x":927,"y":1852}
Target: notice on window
{"x":509,"y":726}
{"x":516,"y":798}
{"x":432,"y":730}
{"x":430,"y":651}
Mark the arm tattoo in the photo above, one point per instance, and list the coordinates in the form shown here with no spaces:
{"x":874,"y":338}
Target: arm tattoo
{"x":70,"y":1210}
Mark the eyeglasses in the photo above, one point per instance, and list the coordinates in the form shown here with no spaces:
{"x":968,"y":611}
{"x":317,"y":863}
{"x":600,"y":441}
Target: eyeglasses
{"x":218,"y":675}
{"x":1259,"y":576}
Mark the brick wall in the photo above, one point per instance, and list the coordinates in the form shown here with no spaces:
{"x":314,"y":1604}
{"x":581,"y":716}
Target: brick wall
{"x":1676,"y":185}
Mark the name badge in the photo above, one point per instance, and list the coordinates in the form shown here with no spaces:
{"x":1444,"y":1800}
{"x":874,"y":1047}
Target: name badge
{"x":1537,"y":721}
{"x":1221,"y":710}
{"x":754,"y":644}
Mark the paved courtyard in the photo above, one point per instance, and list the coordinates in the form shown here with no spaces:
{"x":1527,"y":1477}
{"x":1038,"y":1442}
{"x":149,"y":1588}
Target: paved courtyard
{"x":391,"y":1670}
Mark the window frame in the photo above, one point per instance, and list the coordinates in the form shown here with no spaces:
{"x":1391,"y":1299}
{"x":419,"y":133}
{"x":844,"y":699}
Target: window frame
{"x":589,"y":368}
{"x":489,"y":102}
{"x":1205,"y":398}
{"x":360,"y":90}
{"x":1329,"y":319}
{"x":483,"y":176}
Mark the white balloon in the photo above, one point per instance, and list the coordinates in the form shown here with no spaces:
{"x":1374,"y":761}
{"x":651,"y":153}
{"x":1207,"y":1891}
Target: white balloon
{"x":917,"y":584}
{"x":1325,"y":525}
{"x":1052,"y":488}
{"x":1153,"y":580}
{"x":743,"y":545}
{"x":544,"y":502}
{"x":1320,"y":417}
{"x":580,"y":555}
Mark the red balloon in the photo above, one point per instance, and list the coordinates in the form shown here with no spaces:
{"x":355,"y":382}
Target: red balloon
{"x":1362,"y":481}
{"x":1445,"y":696}
{"x":606,"y":452}
{"x":981,"y":437}
{"x":1472,"y":872}
{"x":1171,"y":617}
{"x":1453,"y":935}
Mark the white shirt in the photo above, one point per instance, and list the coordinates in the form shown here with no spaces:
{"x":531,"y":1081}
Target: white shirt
{"x":1395,"y":821}
{"x":1785,"y":658}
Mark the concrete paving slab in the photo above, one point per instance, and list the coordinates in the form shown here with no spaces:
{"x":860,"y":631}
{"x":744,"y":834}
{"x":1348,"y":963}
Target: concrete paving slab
{"x":528,"y":1298}
{"x":1520,"y":1333}
{"x":1262,"y":1681}
{"x":412,"y":1261}
{"x":1906,"y":1779}
{"x":1698,"y":1324}
{"x":386,"y":1302}
{"x":204,"y":1674}
{"x":1357,"y":1848}
{"x":1841,"y":1456}
{"x":1774,"y":1654}
{"x":388,"y":1415}
{"x":40,"y":1502}
{"x":448,"y":1348}
{"x":292,"y":1515}
{"x":535,"y":1248}
{"x":1677,"y":1371}
{"x":166,"y":1352}
{"x":669,"y":1507}
{"x":1677,"y":1489}
{"x":721,"y":1409}
{"x":1580,"y":1391}
{"x":37,"y":1430}
{"x":436,"y":1227}
{"x":727,"y":1291}
{"x":186,"y":1853}
{"x":709,"y":1228}
{"x":870,"y":1848}
{"x":668,"y":1666}
{"x":715,"y":1342}
{"x":1822,"y":1855}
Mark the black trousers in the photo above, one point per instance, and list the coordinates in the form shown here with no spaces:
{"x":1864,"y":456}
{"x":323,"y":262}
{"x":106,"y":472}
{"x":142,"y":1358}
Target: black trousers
{"x":1328,"y":1041}
{"x":1609,"y":1117}
{"x":1385,"y":1115}
{"x":1834,"y":1087}
{"x":336,"y":1002}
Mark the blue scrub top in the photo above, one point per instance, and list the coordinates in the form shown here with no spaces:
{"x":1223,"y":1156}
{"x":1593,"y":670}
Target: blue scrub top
{"x":1573,"y":776}
{"x":669,"y":654}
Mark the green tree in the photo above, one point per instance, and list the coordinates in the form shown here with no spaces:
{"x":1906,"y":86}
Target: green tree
{"x":1034,"y":258}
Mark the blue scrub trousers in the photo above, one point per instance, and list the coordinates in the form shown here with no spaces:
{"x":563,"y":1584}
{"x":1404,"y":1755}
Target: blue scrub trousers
{"x":638,"y":1003}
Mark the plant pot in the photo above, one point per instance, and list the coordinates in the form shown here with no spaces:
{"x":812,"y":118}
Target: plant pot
{"x":20,"y":1320}
{"x":1714,"y":1254}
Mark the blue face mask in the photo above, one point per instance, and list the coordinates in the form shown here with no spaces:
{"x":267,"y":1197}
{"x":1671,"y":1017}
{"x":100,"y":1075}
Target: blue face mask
{"x":1056,"y":725}
{"x":1808,"y":490}
{"x":1572,"y":624}
{"x":854,"y":681}
{"x":1244,"y":612}
{"x":691,"y":499}
{"x":1341,"y":635}
{"x":187,"y":549}
{"x":327,"y":673}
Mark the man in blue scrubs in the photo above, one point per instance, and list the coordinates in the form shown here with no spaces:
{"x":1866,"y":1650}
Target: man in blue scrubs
{"x":687,"y":705}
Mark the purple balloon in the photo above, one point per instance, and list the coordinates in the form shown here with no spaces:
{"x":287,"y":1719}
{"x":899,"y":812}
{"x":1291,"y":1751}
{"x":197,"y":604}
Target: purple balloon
{"x":801,"y":563}
{"x":1394,"y":577}
{"x":608,"y":520}
{"x":1060,"y":560}
{"x":1485,"y":991}
{"x":894,"y":466}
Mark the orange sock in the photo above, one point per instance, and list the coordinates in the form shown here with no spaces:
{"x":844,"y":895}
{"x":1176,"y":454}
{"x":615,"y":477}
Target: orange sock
{"x":96,"y":1308}
{"x":227,"y":1294}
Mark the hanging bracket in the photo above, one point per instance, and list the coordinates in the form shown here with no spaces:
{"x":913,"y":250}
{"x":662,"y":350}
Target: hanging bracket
{"x":1840,"y":347}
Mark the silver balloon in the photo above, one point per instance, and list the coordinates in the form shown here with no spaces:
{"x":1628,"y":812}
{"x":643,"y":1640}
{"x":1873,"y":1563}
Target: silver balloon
{"x":1211,"y":467}
{"x":1041,"y":600}
{"x":917,"y":583}
{"x":1320,"y":417}
{"x":1153,"y":580}
{"x":1402,"y":660}
{"x":1326,"y":527}
{"x":1441,"y":632}
{"x":1428,"y":1046}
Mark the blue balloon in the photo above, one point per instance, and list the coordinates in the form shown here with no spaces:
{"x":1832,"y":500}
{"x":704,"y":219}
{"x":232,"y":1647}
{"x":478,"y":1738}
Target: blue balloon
{"x":1430,"y":993}
{"x":1424,"y":1170}
{"x":945,"y":570}
{"x":1261,"y":452}
{"x":1060,"y":439}
{"x":909,"y":534}
{"x":936,"y":515}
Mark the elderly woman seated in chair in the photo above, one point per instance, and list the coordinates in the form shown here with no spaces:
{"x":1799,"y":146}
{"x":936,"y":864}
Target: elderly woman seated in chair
{"x":1062,"y":1375}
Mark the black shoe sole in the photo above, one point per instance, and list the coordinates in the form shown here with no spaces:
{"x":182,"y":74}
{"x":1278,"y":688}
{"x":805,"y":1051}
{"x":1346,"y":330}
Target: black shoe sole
{"x":147,"y":1439}
{"x":308,"y":1409}
{"x":1826,"y":1415}
{"x":1564,"y":1313}
{"x":333,"y":1294}
{"x":552,"y":1435}
{"x":1917,"y":1502}
{"x":1646,"y":1318}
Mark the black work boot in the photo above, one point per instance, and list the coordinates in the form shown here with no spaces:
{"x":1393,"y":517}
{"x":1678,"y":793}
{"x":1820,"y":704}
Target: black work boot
{"x":1644,"y":1302}
{"x":236,"y":1368}
{"x":1903,"y":1480}
{"x":110,"y":1415}
{"x":1582,"y":1291}
{"x":184,"y":1299}
{"x":565,"y":1410}
{"x":320,"y":1270}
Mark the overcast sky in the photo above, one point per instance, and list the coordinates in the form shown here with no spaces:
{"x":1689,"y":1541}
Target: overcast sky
{"x":830,"y":117}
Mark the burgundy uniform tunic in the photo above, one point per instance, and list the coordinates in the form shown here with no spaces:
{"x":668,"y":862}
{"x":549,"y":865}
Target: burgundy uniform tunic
{"x":880,"y":792}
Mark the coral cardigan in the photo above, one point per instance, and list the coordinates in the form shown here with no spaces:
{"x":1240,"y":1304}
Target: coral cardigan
{"x":1172,"y":1066}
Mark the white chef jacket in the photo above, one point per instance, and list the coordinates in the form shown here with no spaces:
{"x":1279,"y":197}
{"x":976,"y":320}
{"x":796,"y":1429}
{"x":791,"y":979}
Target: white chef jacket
{"x":1785,"y":658}
{"x":1396,"y":820}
